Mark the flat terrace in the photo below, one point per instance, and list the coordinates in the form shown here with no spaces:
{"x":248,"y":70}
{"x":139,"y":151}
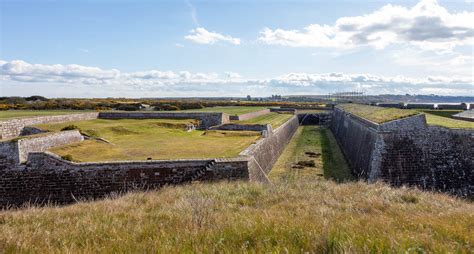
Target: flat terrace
{"x":275,"y":119}
{"x":140,"y":139}
{"x":11,"y":114}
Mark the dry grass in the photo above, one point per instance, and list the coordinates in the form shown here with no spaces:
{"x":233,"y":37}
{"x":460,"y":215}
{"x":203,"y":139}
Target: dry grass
{"x":377,"y":114}
{"x":132,"y":139}
{"x":296,"y":216}
{"x":443,"y":121}
{"x":275,"y":119}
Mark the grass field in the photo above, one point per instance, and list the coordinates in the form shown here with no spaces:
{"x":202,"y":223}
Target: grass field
{"x":377,"y":114}
{"x":312,"y":143}
{"x":9,"y":114}
{"x":443,"y":121}
{"x":132,"y":139}
{"x":275,"y":119}
{"x":231,"y":110}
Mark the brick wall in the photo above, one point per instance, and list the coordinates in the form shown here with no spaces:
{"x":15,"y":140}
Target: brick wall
{"x":12,"y":128}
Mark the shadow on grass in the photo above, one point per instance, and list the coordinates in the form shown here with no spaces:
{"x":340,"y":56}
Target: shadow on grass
{"x":335,"y":166}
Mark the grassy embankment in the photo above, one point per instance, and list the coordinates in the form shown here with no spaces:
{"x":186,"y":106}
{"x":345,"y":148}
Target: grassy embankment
{"x":377,"y":114}
{"x":132,"y":139}
{"x":297,"y":213}
{"x":275,"y":119}
{"x":10,"y":114}
{"x":443,"y":118}
{"x":231,"y":110}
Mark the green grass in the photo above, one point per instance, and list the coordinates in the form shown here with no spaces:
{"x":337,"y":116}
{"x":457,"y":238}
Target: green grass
{"x":132,"y":139}
{"x":240,"y":217}
{"x":10,"y":114}
{"x":275,"y":119}
{"x":444,"y":113}
{"x":448,"y":122}
{"x":329,"y":161}
{"x":377,"y":114}
{"x":231,"y":110}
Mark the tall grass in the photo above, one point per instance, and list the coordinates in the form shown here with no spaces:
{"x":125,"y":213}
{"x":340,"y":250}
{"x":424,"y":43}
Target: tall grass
{"x":289,"y":216}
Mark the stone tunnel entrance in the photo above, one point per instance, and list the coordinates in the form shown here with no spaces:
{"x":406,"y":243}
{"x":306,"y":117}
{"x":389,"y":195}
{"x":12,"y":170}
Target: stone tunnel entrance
{"x":322,"y":118}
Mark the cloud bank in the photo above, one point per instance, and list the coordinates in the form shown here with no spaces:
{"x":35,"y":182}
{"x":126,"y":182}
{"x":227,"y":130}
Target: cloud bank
{"x":17,"y":75}
{"x":201,"y":36}
{"x":426,"y":25}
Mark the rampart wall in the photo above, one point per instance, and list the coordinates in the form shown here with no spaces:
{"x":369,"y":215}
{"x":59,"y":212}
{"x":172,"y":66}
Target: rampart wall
{"x":408,"y":152}
{"x":13,"y":127}
{"x":48,"y":178}
{"x":265,"y":152}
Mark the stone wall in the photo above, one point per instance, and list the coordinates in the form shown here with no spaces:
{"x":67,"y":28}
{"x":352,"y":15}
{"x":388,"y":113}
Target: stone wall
{"x":44,"y":142}
{"x":250,"y":115}
{"x":408,"y":152}
{"x":207,"y":119}
{"x":265,"y":152}
{"x":48,"y":178}
{"x":9,"y":155}
{"x":13,"y":128}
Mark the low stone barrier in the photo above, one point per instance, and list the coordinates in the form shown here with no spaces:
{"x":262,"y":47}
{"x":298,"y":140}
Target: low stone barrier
{"x":408,"y":152}
{"x":244,"y":127}
{"x":13,"y":127}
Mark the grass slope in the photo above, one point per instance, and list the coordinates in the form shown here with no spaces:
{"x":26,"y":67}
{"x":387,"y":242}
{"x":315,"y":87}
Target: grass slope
{"x":275,"y":119}
{"x":377,"y":114}
{"x":443,"y":118}
{"x":10,"y":114}
{"x":231,"y":110}
{"x":133,"y":139}
{"x":294,"y":216}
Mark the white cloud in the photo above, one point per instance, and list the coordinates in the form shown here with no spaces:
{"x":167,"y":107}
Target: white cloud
{"x":426,"y":25}
{"x":202,"y":36}
{"x":17,"y":74}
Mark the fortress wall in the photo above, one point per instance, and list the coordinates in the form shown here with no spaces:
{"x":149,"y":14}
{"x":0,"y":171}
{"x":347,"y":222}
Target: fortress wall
{"x":357,"y":138}
{"x":48,"y":178}
{"x":408,"y":152}
{"x":263,"y":154}
{"x":13,"y":128}
{"x":207,"y":119}
{"x":250,"y":115}
{"x":9,"y":155}
{"x":322,"y":118}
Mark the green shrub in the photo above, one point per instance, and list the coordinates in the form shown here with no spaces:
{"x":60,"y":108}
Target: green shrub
{"x":70,"y":127}
{"x":67,"y":157}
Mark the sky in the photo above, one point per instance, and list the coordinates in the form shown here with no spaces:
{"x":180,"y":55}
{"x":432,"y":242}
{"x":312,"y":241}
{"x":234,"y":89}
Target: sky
{"x":106,"y":48}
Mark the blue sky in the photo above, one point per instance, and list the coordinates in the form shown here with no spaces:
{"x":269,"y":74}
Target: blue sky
{"x":234,"y":48}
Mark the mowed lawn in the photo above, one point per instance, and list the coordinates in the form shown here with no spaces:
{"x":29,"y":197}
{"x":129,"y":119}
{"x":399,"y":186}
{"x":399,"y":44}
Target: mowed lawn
{"x":312,"y":143}
{"x":132,"y":139}
{"x":275,"y":119}
{"x":10,"y":114}
{"x":377,"y":114}
{"x":231,"y":110}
